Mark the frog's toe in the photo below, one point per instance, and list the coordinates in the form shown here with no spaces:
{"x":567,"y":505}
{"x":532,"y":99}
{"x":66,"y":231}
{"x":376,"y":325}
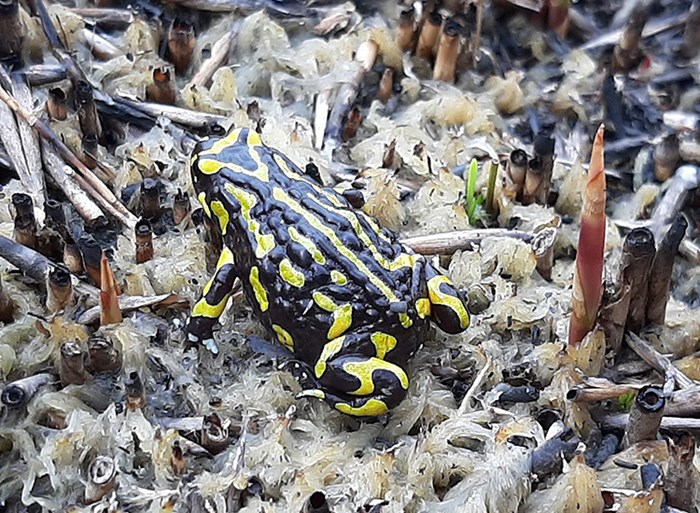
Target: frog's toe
{"x":209,"y":342}
{"x":301,"y":372}
{"x":198,"y":333}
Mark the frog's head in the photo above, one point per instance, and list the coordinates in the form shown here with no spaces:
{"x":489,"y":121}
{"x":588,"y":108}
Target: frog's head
{"x":212,"y":151}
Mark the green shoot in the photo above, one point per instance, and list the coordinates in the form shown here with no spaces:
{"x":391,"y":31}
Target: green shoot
{"x":625,"y":400}
{"x":472,"y":200}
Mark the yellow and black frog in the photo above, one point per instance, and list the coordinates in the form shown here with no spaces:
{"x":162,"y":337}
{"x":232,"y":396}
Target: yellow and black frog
{"x":339,"y":291}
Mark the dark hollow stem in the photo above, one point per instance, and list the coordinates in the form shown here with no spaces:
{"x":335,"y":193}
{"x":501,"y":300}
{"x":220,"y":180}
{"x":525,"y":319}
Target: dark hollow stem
{"x":144,"y":242}
{"x":316,"y":503}
{"x":680,"y":481}
{"x":645,"y":416}
{"x":71,"y":366}
{"x":637,"y":255}
{"x":661,"y":269}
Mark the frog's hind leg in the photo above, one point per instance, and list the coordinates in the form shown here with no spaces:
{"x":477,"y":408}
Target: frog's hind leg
{"x":212,"y":302}
{"x":363,"y":386}
{"x":447,"y":307}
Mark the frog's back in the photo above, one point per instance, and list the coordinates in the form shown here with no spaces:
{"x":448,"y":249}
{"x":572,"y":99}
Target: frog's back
{"x":313,"y":267}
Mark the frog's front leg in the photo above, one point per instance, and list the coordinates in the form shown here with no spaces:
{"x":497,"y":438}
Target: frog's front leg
{"x":447,"y":306}
{"x":212,"y":302}
{"x":357,"y":384}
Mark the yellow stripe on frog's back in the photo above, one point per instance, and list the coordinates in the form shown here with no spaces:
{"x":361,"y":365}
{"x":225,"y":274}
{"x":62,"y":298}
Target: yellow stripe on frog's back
{"x":290,"y":274}
{"x":264,"y":242}
{"x":342,"y":314}
{"x":258,"y":289}
{"x":202,"y":197}
{"x":329,"y":233}
{"x":284,"y":336}
{"x":308,"y":244}
{"x":297,"y":177}
{"x":402,"y":260}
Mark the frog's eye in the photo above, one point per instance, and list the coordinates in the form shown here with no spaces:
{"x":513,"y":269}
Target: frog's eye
{"x":217,"y":130}
{"x":201,"y":145}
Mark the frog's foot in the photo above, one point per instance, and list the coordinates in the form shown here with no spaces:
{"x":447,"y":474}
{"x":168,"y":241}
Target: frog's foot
{"x":355,"y":406}
{"x":199,"y":331}
{"x":212,"y":303}
{"x":359,"y":385}
{"x":301,"y":371}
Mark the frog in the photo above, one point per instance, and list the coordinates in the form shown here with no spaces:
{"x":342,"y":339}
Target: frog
{"x":325,"y":279}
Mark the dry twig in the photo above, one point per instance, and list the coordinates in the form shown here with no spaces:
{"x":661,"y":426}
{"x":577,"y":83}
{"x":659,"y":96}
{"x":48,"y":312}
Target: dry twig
{"x":673,"y":424}
{"x":87,"y":180}
{"x":658,"y":361}
{"x":219,"y":55}
{"x":64,"y":177}
{"x":449,"y":242}
{"x":364,"y":60}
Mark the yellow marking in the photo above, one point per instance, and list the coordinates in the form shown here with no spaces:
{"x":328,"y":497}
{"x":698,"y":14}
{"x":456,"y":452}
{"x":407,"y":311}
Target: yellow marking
{"x":342,"y":315}
{"x":363,"y":370}
{"x":262,"y":171}
{"x":210,"y":166}
{"x":313,"y":393}
{"x":284,"y":336}
{"x":202,"y":197}
{"x":290,"y":274}
{"x":226,"y":257}
{"x":338,"y":277}
{"x":228,"y":140}
{"x":333,"y":199}
{"x":423,"y":307}
{"x":308,"y":244}
{"x":383,"y":343}
{"x":253,"y":138}
{"x":371,"y":408}
{"x":223,"y":143}
{"x":221,"y":214}
{"x":324,"y":302}
{"x":342,"y":320}
{"x":247,"y":200}
{"x":331,"y":349}
{"x":437,"y":297}
{"x":375,"y":226}
{"x":287,"y":171}
{"x":320,"y":189}
{"x":402,"y":260}
{"x":281,"y":195}
{"x":266,"y":243}
{"x":258,"y":289}
{"x":204,"y":309}
{"x":296,"y":176}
